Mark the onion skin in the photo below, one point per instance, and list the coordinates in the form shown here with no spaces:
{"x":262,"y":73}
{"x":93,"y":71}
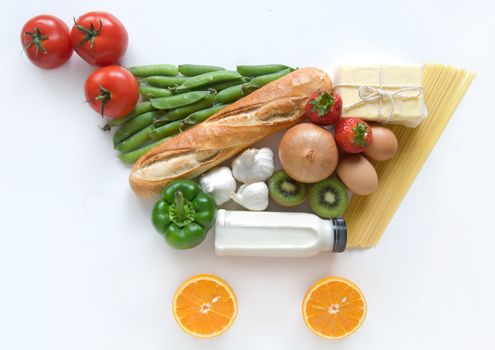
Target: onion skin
{"x":308,"y":153}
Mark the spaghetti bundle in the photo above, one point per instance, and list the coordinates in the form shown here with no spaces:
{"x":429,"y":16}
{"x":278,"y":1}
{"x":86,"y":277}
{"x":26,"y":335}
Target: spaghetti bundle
{"x":368,"y":216}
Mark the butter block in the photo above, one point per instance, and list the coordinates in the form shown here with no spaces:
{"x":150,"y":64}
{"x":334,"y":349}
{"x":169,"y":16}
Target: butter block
{"x":391,"y":94}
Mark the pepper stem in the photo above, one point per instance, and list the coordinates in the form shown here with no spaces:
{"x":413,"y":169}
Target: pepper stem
{"x":179,"y":206}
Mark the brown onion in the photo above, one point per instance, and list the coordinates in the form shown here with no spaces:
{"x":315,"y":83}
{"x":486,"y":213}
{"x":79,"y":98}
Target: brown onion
{"x":308,"y":153}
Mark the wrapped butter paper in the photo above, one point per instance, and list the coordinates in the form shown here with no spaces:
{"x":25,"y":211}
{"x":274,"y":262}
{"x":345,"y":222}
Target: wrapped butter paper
{"x":382,"y":93}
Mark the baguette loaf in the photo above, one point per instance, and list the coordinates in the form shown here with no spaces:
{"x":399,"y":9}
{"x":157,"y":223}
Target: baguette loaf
{"x":278,"y":105}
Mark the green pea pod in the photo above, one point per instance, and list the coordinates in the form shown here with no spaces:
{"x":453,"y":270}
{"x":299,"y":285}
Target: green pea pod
{"x":148,"y":91}
{"x":169,"y":129}
{"x":191,"y":70}
{"x":257,"y":70}
{"x":208,"y":79}
{"x":141,"y":108}
{"x":226,"y":84}
{"x":230,"y":94}
{"x":217,"y":87}
{"x":154,"y":69}
{"x":135,"y":141}
{"x":202,"y":115}
{"x":132,"y":156}
{"x":164,"y":81}
{"x":133,"y":126}
{"x":262,"y":80}
{"x":177,"y":101}
{"x":182,"y":112}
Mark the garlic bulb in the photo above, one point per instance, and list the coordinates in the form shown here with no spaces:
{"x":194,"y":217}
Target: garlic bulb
{"x":252,"y":196}
{"x":219,"y":183}
{"x":253,"y":165}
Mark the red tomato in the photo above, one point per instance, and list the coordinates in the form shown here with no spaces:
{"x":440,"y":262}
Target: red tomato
{"x":46,"y":41}
{"x":112,"y":91}
{"x":99,"y":38}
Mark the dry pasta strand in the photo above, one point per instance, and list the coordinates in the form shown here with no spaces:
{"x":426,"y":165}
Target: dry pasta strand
{"x":368,"y":216}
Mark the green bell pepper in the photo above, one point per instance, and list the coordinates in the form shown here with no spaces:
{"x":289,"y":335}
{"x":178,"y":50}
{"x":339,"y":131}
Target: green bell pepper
{"x":184,"y":214}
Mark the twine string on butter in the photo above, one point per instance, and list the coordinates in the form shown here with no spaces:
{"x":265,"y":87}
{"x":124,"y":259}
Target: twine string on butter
{"x":368,"y":93}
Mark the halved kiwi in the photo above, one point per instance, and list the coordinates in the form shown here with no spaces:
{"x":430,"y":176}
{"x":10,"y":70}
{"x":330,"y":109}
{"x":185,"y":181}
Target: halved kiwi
{"x":328,"y":198}
{"x":286,"y":191}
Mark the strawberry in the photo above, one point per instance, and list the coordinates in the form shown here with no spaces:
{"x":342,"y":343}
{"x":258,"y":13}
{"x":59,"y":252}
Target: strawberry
{"x":323,"y":108}
{"x":353,"y":135}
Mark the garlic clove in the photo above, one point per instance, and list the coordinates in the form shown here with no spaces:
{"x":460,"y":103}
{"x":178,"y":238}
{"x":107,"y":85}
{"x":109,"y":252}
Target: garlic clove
{"x":252,"y":196}
{"x":253,"y":165}
{"x":219,"y":183}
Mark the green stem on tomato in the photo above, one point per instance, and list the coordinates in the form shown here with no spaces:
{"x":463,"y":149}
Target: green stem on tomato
{"x":104,"y":97}
{"x":90,"y":34}
{"x":36,"y":39}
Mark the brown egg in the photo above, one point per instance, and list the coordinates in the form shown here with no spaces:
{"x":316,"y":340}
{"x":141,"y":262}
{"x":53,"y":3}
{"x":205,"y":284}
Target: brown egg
{"x":357,"y":174}
{"x":384,"y":145}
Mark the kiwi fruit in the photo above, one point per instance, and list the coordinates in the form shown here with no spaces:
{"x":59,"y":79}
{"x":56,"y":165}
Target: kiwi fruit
{"x":328,"y":198}
{"x":285,"y":191}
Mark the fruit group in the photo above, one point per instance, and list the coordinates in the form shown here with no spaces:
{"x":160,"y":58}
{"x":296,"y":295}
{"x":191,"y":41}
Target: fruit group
{"x":353,"y":135}
{"x":328,"y":198}
{"x":46,"y":41}
{"x":285,"y":191}
{"x":204,"y":306}
{"x":308,"y":153}
{"x":323,"y":108}
{"x":334,"y":308}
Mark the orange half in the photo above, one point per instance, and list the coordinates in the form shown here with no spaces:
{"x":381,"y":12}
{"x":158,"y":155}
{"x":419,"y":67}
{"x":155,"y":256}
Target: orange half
{"x":204,"y":306}
{"x":334,"y":308}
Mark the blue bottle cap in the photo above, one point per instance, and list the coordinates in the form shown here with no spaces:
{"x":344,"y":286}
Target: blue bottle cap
{"x":339,"y":235}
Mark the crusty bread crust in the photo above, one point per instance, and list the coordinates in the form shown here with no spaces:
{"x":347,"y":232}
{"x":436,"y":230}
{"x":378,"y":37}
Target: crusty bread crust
{"x":274,"y":107}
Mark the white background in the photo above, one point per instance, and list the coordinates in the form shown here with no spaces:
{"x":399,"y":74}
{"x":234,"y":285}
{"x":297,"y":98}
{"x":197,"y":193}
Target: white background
{"x":81,"y":266}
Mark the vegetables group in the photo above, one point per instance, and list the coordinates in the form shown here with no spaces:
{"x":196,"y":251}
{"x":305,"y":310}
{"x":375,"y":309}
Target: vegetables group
{"x":253,"y":165}
{"x":112,"y":91}
{"x":252,"y":196}
{"x":219,"y":183}
{"x":46,"y":41}
{"x":308,"y":153}
{"x":184,"y":214}
{"x":99,"y":38}
{"x":205,"y":79}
